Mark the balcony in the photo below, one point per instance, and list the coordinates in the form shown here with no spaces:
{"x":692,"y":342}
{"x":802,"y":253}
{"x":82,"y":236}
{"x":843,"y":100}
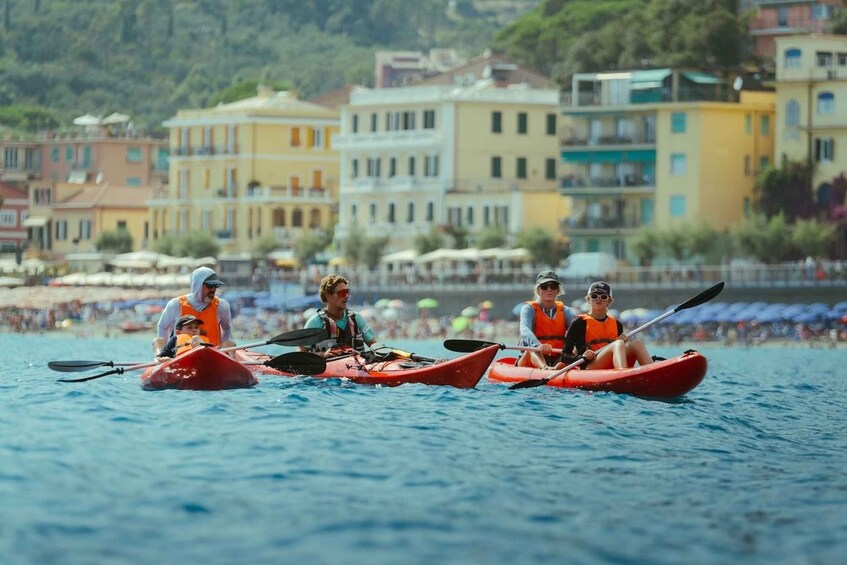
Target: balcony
{"x":388,"y":140}
{"x":634,"y":183}
{"x":636,"y":139}
{"x":598,"y":226}
{"x":287,"y":195}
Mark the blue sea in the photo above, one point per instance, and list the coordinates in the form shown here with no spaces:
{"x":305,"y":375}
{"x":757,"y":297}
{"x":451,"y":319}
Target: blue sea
{"x":748,"y":467}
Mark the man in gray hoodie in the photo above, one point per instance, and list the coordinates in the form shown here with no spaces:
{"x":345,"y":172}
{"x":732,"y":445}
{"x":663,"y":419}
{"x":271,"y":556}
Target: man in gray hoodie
{"x":202,"y":303}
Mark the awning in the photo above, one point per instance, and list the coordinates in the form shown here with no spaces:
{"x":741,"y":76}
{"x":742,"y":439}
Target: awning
{"x":653,"y":78}
{"x":702,"y":78}
{"x":36,"y":222}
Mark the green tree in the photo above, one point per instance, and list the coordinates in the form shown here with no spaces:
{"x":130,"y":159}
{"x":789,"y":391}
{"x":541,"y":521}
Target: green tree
{"x":811,"y":237}
{"x":246,"y":89}
{"x":309,"y":245}
{"x":539,"y":243}
{"x":196,"y":243}
{"x":786,"y":190}
{"x":768,"y":240}
{"x":492,"y":236}
{"x":116,"y":241}
{"x":431,"y":241}
{"x":266,"y":245}
{"x":646,"y":244}
{"x":372,"y":250}
{"x":165,"y":245}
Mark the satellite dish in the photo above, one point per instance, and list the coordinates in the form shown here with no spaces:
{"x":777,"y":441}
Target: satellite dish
{"x":737,"y":83}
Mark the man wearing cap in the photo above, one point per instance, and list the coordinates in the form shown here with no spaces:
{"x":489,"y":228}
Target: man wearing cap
{"x":200,"y":302}
{"x":595,"y":330}
{"x":544,"y":322}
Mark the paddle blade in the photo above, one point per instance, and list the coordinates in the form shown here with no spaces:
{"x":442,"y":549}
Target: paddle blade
{"x":701,"y":298}
{"x":298,"y":362}
{"x":529,"y":384}
{"x":467,"y":345}
{"x":76,"y":366}
{"x":304,"y":336}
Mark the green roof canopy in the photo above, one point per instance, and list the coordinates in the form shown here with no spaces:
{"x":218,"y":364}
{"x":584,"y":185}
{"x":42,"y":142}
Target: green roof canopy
{"x":648,"y":79}
{"x":702,"y":78}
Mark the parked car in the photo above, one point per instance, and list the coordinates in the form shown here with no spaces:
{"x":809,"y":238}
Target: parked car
{"x":588,"y":267}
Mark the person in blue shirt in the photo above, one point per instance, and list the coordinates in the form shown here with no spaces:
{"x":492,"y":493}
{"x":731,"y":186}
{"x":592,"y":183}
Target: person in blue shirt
{"x":346,"y":329}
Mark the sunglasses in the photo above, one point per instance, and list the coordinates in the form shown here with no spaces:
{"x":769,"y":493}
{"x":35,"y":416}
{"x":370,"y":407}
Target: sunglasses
{"x":595,"y":296}
{"x":342,"y":292}
{"x":549,"y":286}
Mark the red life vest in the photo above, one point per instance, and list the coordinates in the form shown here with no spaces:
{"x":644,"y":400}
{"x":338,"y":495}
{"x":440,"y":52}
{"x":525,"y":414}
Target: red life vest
{"x":550,"y":331}
{"x":597,"y":333}
{"x":211,"y":328}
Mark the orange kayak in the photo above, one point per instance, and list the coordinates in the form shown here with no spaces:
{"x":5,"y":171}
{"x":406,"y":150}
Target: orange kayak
{"x":663,"y":379}
{"x":464,"y":371}
{"x":201,"y":368}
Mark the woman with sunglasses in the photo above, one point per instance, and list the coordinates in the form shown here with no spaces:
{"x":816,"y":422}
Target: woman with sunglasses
{"x":346,"y":329}
{"x":544,"y":323}
{"x":596,"y":329}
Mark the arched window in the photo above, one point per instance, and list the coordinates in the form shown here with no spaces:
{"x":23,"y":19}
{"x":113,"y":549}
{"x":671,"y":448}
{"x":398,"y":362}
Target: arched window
{"x":315,"y":218}
{"x":793,"y":58}
{"x":297,"y":218}
{"x":792,"y":113}
{"x":826,"y":103}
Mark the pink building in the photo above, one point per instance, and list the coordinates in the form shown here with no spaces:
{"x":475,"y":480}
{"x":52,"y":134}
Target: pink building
{"x":13,"y":215}
{"x":779,"y":18}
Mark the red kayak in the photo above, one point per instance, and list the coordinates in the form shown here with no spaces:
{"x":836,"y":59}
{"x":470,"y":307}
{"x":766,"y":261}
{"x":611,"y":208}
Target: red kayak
{"x":663,"y":379}
{"x":201,"y":368}
{"x":462,"y":372}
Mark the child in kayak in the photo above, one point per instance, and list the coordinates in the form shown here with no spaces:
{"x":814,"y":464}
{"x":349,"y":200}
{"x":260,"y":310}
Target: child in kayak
{"x":592,"y":331}
{"x":186,"y":336}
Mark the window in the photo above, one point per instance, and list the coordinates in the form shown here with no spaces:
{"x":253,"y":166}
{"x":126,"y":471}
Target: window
{"x":410,"y":213}
{"x":85,"y":229}
{"x":677,"y":206}
{"x":411,"y":166}
{"x":792,"y":113}
{"x":69,"y":153}
{"x":318,"y":138}
{"x":354,"y":126}
{"x":826,"y":103}
{"x":748,"y":165}
{"x":372,"y":212}
{"x":551,"y":124}
{"x":8,"y":218}
{"x":782,"y":16}
{"x":355,"y":166}
{"x":764,"y":163}
{"x":374,"y":167}
{"x":550,"y":169}
{"x":823,"y":58}
{"x":10,"y":158}
{"x":408,"y":120}
{"x":54,"y":154}
{"x":678,"y":165}
{"x":134,"y":155}
{"x":765,"y":125}
{"x":430,"y":211}
{"x":295,"y":137}
{"x":431,"y":166}
{"x":522,"y":122}
{"x":429,"y":119}
{"x":61,"y":230}
{"x":486,"y":216}
{"x":748,"y":124}
{"x":373,"y":122}
{"x":821,"y":12}
{"x":133,"y":181}
{"x":392,"y":121}
{"x":520,"y":168}
{"x":824,"y":149}
{"x":392,"y":167}
{"x":354,"y":211}
{"x":390,"y":216}
{"x":793,"y":58}
{"x":469,"y":215}
{"x":496,"y":168}
{"x":842,"y":59}
{"x":496,"y":122}
{"x":678,"y":122}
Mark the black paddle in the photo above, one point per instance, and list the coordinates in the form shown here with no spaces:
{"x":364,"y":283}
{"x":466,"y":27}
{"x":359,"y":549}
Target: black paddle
{"x":298,"y":362}
{"x":305,"y":336}
{"x":701,"y":298}
{"x":471,"y":345}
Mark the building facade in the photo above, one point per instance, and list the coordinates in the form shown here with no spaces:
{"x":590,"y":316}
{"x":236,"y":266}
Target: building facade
{"x":780,"y":18}
{"x":419,"y":158}
{"x":811,"y":101}
{"x":14,"y":210}
{"x":259,"y":167}
{"x":652,"y":148}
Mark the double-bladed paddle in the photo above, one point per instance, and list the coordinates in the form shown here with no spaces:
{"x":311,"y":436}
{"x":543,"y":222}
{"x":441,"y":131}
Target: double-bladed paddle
{"x":471,"y":345}
{"x":701,"y":298}
{"x":297,"y":362}
{"x":305,"y":336}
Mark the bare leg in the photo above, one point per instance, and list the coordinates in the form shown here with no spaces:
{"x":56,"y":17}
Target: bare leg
{"x":614,"y":356}
{"x":532,"y":359}
{"x":637,"y":351}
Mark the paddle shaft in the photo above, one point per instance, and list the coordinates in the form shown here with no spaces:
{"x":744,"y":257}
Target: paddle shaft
{"x":704,"y":296}
{"x":471,"y":345}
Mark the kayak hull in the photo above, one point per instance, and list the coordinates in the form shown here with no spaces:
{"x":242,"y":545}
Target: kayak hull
{"x":461,"y":372}
{"x":663,"y":379}
{"x":202,"y":368}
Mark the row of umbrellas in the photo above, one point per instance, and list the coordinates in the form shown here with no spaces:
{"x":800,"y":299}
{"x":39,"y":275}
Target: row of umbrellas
{"x":745,"y":312}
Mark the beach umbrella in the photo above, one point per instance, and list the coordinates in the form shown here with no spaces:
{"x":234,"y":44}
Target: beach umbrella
{"x":470,"y":311}
{"x":382,"y":303}
{"x":396,"y":303}
{"x":486,"y":305}
{"x":427,"y":303}
{"x":461,"y":323}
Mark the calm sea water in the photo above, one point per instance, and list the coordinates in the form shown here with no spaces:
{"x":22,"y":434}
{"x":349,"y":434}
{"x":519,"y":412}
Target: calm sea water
{"x":750,"y":467}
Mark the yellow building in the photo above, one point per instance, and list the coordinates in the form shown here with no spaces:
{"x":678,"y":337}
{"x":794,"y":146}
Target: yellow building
{"x":263,"y":166}
{"x":79,"y":213}
{"x":811,"y":101}
{"x":470,"y":157}
{"x":657,"y":147}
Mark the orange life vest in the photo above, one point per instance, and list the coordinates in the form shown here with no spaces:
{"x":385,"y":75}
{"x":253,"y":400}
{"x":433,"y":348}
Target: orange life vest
{"x":597,"y":333}
{"x":183,"y":343}
{"x":210,"y":328}
{"x":547,"y":330}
